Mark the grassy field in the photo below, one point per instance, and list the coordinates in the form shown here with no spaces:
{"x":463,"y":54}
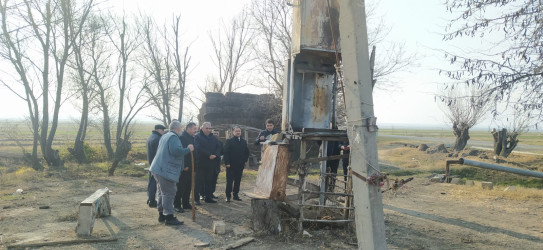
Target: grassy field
{"x":395,"y":155}
{"x":530,"y":138}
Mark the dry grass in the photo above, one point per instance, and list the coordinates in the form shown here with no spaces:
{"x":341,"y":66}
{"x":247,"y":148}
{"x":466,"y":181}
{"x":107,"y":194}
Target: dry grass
{"x":461,"y":192}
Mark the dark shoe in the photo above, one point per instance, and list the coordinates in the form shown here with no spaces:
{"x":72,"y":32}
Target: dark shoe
{"x":237,"y":198}
{"x":227,"y":199}
{"x":210,"y":201}
{"x":161,"y":217}
{"x":197,"y":203}
{"x":188,"y":206}
{"x":214,"y":197}
{"x":152,"y":203}
{"x":179,"y":209}
{"x":172,"y":221}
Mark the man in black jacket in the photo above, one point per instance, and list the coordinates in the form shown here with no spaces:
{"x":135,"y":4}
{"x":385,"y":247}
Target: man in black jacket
{"x":207,"y":150}
{"x":236,"y":153}
{"x":266,"y":132}
{"x":152,"y":145}
{"x":217,"y":165}
{"x":184,"y":184}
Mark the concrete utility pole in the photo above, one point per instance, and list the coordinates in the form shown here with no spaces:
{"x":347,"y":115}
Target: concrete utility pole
{"x":361,"y":128}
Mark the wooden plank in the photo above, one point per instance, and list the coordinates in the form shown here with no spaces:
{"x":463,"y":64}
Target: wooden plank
{"x":239,"y":243}
{"x":279,"y":183}
{"x":264,"y":179}
{"x":57,"y":243}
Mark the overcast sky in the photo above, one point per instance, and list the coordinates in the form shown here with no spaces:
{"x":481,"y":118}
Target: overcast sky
{"x":418,"y":24}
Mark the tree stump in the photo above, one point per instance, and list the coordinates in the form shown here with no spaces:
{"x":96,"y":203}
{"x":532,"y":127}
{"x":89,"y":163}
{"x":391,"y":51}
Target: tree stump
{"x":266,"y":216}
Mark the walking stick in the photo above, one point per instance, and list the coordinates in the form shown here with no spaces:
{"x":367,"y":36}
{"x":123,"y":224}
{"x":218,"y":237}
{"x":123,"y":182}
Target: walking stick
{"x":192,"y":188}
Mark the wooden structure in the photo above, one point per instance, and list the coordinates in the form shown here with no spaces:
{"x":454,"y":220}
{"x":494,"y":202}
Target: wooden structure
{"x":96,"y":205}
{"x":272,"y":176}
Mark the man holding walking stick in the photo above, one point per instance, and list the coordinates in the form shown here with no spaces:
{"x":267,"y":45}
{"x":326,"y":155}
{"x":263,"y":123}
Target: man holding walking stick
{"x":166,"y":168}
{"x":182,"y":197}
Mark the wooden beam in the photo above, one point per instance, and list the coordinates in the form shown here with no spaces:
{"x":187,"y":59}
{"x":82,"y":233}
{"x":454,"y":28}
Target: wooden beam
{"x":57,"y":243}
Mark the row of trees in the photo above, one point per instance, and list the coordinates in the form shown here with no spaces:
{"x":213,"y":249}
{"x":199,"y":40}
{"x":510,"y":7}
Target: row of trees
{"x":505,"y":80}
{"x":114,"y":66}
{"x":71,"y":51}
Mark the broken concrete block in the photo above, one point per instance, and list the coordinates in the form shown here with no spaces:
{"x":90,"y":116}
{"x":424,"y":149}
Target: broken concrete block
{"x":219,"y":227}
{"x":455,"y":181}
{"x":487,"y":185}
{"x":438,"y":178}
{"x":510,"y":188}
{"x":470,"y":183}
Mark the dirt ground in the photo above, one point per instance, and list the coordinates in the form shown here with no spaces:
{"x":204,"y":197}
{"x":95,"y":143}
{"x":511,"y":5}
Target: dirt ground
{"x":422,"y":215}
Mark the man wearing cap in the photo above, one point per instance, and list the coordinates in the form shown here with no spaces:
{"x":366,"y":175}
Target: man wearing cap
{"x":166,"y":169}
{"x":152,"y":145}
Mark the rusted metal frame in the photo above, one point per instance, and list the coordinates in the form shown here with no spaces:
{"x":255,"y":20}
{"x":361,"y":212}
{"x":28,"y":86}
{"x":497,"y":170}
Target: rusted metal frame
{"x":315,"y":160}
{"x":326,"y":193}
{"x":485,"y":165}
{"x":301,"y":174}
{"x":332,"y":207}
{"x":322,"y":178}
{"x":328,"y":221}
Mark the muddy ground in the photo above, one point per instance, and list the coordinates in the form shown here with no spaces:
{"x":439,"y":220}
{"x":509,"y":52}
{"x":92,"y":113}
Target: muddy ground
{"x":422,"y":215}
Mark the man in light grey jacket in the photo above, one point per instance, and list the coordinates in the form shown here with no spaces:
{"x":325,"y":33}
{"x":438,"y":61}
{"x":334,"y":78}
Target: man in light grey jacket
{"x":166,"y":168}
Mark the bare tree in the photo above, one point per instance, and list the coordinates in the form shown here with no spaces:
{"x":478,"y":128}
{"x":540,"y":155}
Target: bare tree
{"x":36,"y":41}
{"x":231,"y":50}
{"x":124,"y":38}
{"x":181,"y":66}
{"x":166,"y":67}
{"x":516,"y":124}
{"x":83,"y":32}
{"x":272,"y":25}
{"x":159,"y":86}
{"x":513,"y":62}
{"x":464,"y":109}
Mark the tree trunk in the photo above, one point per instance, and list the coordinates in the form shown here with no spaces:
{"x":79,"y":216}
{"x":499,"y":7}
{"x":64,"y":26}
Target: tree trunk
{"x":497,"y":135}
{"x":123,"y":147}
{"x":462,"y":136}
{"x":266,"y":216}
{"x":509,"y":143}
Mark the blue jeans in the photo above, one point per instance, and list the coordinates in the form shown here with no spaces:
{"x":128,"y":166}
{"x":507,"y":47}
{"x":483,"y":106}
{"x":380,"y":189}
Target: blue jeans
{"x":151,"y":189}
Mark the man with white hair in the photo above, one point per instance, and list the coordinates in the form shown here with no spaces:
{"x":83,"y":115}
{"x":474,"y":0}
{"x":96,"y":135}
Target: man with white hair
{"x":166,"y":168}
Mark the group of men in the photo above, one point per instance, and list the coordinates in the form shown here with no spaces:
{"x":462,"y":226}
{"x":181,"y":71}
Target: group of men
{"x":171,"y":158}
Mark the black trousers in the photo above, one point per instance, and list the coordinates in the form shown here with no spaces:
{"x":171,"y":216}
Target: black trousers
{"x":233,"y":177}
{"x":215,"y":177}
{"x":204,"y":177}
{"x":183,"y":190}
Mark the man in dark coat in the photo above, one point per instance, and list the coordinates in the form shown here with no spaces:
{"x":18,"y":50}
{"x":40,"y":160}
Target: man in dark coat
{"x":266,"y":132}
{"x":152,"y":145}
{"x":166,"y":168}
{"x":217,"y":164}
{"x":185,"y":180}
{"x":236,"y":153}
{"x":207,"y":150}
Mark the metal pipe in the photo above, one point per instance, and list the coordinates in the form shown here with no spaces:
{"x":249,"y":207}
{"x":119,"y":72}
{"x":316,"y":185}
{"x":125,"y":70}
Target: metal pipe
{"x":493,"y":167}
